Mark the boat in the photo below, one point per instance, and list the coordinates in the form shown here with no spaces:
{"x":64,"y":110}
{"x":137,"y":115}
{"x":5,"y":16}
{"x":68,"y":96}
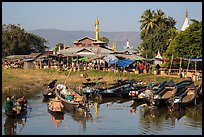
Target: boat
{"x":144,"y":93}
{"x":187,"y":98}
{"x":119,"y":89}
{"x":57,"y":114}
{"x":170,"y":89}
{"x":49,"y":94}
{"x":13,"y":114}
{"x":91,"y":84}
{"x":81,"y":105}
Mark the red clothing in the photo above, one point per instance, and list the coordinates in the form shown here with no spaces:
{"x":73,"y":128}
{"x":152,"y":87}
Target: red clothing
{"x":141,"y":66}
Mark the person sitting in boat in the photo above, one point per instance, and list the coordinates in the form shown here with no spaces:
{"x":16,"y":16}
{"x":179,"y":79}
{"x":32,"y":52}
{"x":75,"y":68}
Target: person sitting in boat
{"x":51,"y":85}
{"x":70,"y":97}
{"x":22,"y":102}
{"x":9,"y":106}
{"x":56,"y":104}
{"x":62,"y":90}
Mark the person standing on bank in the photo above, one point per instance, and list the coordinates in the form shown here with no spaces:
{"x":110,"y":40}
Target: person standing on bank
{"x":157,"y":69}
{"x":141,"y":67}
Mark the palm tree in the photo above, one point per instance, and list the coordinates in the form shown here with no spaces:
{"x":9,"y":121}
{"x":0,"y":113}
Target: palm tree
{"x":148,"y":21}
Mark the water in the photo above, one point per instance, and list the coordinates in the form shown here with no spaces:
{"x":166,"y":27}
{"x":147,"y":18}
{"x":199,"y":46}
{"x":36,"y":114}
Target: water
{"x":112,"y":118}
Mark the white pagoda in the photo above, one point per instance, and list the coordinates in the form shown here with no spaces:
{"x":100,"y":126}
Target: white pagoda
{"x":158,"y":59}
{"x":186,"y":22}
{"x":127,"y":45}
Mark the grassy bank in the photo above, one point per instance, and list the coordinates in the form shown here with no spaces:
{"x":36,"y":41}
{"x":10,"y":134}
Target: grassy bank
{"x":32,"y":81}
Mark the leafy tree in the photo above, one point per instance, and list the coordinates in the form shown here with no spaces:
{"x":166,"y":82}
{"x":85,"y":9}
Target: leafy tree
{"x":61,"y":45}
{"x":148,"y":21}
{"x":16,"y":41}
{"x":104,"y":39}
{"x":188,"y":43}
{"x":157,"y":31}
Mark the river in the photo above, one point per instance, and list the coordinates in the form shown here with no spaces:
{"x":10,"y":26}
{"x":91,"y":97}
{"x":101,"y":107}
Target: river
{"x":117,"y":117}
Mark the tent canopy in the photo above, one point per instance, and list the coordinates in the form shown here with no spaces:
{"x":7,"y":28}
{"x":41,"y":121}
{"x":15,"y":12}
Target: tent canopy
{"x":81,"y":59}
{"x":125,"y":62}
{"x":193,"y":59}
{"x":110,"y":59}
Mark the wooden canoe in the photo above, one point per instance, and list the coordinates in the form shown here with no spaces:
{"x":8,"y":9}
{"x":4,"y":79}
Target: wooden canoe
{"x":13,"y":114}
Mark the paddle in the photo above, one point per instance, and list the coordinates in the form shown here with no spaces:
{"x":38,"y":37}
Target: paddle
{"x":68,"y":75}
{"x":27,"y":101}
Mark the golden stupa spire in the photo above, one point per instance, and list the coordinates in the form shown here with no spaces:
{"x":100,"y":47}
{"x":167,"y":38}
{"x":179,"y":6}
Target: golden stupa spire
{"x":97,"y":29}
{"x":114,"y":46}
{"x":64,"y":46}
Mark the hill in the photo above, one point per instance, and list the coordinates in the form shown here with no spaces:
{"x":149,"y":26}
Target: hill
{"x":55,"y":36}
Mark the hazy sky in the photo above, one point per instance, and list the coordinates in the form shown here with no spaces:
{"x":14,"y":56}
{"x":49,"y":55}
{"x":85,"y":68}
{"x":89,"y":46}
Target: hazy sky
{"x":113,"y":16}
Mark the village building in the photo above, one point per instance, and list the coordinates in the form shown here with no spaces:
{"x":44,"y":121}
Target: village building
{"x":87,"y":46}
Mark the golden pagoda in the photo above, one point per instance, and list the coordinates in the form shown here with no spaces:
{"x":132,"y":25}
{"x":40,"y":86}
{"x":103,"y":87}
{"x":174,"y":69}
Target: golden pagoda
{"x":114,"y":46}
{"x":97,"y":29}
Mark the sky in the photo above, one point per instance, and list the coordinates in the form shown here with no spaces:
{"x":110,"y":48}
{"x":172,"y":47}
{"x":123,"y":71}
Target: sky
{"x":73,"y":16}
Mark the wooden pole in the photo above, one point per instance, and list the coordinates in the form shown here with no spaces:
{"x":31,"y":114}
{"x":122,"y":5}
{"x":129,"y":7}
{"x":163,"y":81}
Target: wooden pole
{"x":171,"y":62}
{"x":68,"y":76}
{"x":180,"y":65}
{"x":67,"y":61}
{"x":188,"y":66}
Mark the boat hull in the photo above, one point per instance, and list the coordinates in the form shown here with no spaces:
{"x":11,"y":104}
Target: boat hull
{"x":13,"y":114}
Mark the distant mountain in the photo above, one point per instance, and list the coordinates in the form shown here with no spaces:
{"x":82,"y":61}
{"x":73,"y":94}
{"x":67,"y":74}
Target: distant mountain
{"x":55,"y":36}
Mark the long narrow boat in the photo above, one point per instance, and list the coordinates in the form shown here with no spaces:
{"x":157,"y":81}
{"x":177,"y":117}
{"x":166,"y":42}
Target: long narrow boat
{"x":80,"y":106}
{"x":171,"y":89}
{"x":144,"y":93}
{"x":186,"y":99}
{"x":13,"y":114}
{"x":69,"y":105}
{"x":52,"y":95}
{"x":120,"y":88}
{"x":49,"y":94}
{"x":57,"y":114}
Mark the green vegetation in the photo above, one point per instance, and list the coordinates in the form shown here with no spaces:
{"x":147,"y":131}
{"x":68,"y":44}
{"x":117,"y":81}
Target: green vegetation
{"x":61,"y":45}
{"x":158,"y":32}
{"x":104,"y":39}
{"x":15,"y":41}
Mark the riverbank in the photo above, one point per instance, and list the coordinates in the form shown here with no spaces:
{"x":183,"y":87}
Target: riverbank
{"x":32,"y":81}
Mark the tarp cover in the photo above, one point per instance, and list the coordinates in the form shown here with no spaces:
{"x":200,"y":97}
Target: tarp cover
{"x":125,"y":62}
{"x":194,"y":59}
{"x":110,"y":59}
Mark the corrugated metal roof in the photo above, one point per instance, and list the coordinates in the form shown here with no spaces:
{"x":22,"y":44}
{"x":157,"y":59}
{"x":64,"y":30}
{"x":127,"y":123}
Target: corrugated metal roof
{"x":74,"y":50}
{"x":16,"y":56}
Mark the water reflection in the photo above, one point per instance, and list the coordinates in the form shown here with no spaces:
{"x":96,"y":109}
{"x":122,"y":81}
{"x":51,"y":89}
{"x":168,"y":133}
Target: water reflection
{"x":80,"y":117}
{"x":153,"y":120}
{"x":11,"y":124}
{"x":109,"y":116}
{"x":135,"y":105}
{"x":57,"y":119}
{"x":45,"y":99}
{"x":112,"y":100}
{"x":193,"y":117}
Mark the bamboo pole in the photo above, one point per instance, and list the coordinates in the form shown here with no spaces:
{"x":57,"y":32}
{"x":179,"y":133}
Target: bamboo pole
{"x":188,"y":66}
{"x":180,"y":65}
{"x":171,"y":62}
